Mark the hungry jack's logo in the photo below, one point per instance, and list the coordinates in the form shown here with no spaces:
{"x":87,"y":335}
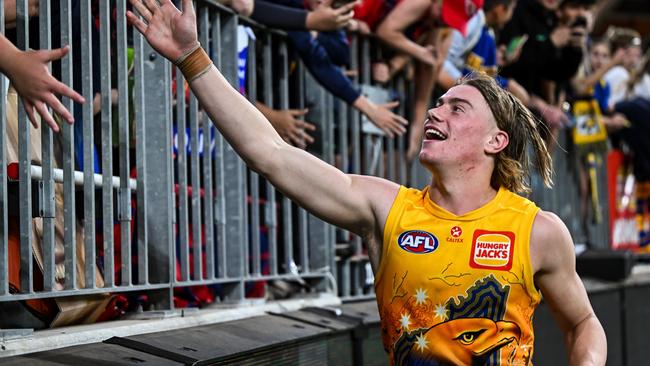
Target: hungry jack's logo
{"x":492,"y":250}
{"x":417,"y":241}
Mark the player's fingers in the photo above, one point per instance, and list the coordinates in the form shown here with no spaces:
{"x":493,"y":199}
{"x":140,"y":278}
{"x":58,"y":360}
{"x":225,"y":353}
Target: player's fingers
{"x":188,"y":7}
{"x":136,"y":22}
{"x":152,"y":5}
{"x":142,"y":9}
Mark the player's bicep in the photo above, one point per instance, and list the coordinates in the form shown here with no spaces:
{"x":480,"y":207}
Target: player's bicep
{"x":556,"y":277}
{"x":347,"y":201}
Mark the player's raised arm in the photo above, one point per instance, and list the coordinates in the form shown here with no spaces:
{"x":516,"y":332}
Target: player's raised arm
{"x":320,"y":188}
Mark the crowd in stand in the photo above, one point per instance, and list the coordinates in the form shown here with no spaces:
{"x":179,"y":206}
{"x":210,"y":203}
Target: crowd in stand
{"x":543,"y":51}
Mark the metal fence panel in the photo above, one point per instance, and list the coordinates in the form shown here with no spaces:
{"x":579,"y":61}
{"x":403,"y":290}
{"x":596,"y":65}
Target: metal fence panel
{"x":203,"y":202}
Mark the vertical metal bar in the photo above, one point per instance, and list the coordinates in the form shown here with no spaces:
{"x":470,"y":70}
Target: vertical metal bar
{"x":4,"y":222}
{"x":271,"y":219}
{"x":390,"y":158}
{"x":379,"y":150}
{"x":208,"y":207}
{"x":356,"y":151}
{"x":107,"y":140}
{"x":181,"y":161}
{"x":25,"y":185}
{"x":367,"y":154}
{"x":255,"y":244}
{"x":303,"y":233}
{"x":344,"y":280}
{"x":67,"y":143}
{"x":234,"y":171}
{"x":195,"y":177}
{"x":88,"y":142}
{"x":343,"y":135}
{"x":158,"y":169}
{"x":140,"y":158}
{"x":47,"y":184}
{"x":401,"y":148}
{"x":354,"y":114}
{"x":287,"y":224}
{"x":124,"y":193}
{"x":219,"y":164}
{"x":365,"y":60}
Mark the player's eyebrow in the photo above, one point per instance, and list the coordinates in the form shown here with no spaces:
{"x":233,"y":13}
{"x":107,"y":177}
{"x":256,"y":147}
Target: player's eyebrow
{"x":454,"y":100}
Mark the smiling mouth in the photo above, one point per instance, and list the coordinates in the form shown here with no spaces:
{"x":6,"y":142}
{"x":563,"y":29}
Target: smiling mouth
{"x":431,"y":133}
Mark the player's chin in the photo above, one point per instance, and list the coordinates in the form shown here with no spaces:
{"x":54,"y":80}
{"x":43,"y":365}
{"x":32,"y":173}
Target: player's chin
{"x":426,"y":156}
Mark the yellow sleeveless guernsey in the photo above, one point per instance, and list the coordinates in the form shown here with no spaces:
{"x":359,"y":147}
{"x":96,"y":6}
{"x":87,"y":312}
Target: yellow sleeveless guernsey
{"x":457,"y":290}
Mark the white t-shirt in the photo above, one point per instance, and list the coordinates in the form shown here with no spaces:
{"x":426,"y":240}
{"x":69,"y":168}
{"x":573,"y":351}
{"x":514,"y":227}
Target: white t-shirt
{"x":617,"y":78}
{"x":642,"y":87}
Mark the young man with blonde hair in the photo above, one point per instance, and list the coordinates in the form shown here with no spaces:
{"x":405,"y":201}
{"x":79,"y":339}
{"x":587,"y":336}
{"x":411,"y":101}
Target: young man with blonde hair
{"x":460,"y":265}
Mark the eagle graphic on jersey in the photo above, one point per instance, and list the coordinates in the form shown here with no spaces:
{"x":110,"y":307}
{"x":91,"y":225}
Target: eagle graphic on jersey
{"x":473,"y":334}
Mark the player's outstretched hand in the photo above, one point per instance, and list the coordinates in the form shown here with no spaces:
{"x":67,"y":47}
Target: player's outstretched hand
{"x":168,"y":30}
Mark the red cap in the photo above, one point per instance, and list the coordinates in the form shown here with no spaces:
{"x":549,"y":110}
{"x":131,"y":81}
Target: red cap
{"x":456,"y":13}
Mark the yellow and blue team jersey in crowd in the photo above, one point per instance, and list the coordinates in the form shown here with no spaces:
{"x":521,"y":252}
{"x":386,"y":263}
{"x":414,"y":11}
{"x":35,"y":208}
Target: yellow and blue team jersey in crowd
{"x":483,"y":57}
{"x":457,"y":290}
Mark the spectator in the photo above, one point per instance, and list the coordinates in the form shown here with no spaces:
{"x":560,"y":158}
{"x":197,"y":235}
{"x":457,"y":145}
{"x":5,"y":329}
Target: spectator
{"x":551,"y":55}
{"x":619,"y":76}
{"x":243,"y":7}
{"x":288,"y":125}
{"x":639,"y":84}
{"x":408,"y":29}
{"x":10,"y":12}
{"x":590,"y":96}
{"x":322,"y":18}
{"x":29,"y":74}
{"x":323,"y":54}
{"x":590,"y":78}
{"x":481,"y":54}
{"x":548,"y":53}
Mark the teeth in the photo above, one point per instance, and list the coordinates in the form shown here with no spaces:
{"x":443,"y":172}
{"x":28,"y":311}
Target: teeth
{"x":431,"y":131}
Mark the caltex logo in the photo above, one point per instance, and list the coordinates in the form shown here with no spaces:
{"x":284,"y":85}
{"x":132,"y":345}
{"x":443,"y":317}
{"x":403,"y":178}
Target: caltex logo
{"x":456,"y":231}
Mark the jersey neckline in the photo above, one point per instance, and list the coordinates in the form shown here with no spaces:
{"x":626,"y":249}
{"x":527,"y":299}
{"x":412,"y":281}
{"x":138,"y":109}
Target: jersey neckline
{"x":478,"y":213}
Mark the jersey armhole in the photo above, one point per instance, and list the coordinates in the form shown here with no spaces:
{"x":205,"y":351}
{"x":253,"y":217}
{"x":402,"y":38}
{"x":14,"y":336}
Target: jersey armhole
{"x":391,"y":221}
{"x":529,"y":276}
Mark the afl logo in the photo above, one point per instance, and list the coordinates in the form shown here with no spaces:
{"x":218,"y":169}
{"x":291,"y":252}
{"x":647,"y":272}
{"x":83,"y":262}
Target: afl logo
{"x":416,"y":241}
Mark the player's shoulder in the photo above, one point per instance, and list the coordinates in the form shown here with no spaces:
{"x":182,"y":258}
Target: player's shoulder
{"x":550,"y":240}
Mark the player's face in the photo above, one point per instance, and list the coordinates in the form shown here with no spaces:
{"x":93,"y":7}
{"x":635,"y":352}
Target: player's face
{"x":457,"y":129}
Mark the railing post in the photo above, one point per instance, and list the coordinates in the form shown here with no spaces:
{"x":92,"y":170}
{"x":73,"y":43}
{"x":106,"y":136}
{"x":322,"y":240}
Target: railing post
{"x":157,"y":171}
{"x":4,"y":222}
{"x":234,"y":173}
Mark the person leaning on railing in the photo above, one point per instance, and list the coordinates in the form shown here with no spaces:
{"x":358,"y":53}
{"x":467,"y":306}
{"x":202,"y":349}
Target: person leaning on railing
{"x":288,"y":122}
{"x":324,"y":53}
{"x":458,"y":265}
{"x":32,"y":80}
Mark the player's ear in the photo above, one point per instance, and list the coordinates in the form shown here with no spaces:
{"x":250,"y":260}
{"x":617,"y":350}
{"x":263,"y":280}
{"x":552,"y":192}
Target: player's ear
{"x":497,"y":142}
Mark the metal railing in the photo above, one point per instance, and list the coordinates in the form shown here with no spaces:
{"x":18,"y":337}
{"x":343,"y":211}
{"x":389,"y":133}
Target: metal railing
{"x":192,"y":210}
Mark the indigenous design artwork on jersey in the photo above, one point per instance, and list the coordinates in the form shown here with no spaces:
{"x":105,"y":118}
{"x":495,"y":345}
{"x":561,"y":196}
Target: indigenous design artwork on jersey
{"x":468,"y":328}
